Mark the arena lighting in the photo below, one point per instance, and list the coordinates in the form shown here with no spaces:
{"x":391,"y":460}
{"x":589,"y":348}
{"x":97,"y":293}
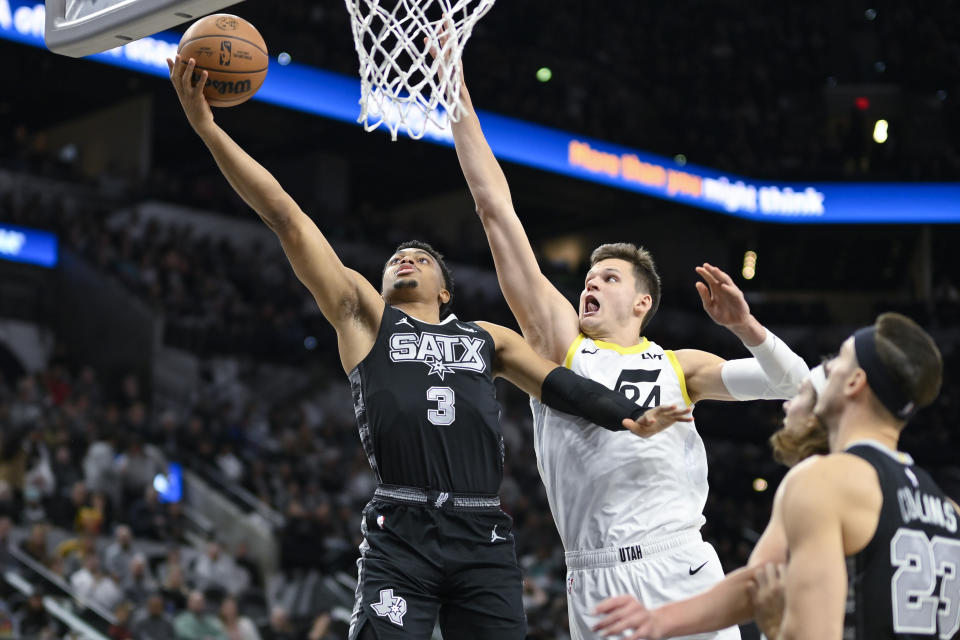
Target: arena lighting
{"x":544,"y":74}
{"x":749,"y":265}
{"x":284,"y":59}
{"x":760,"y":485}
{"x":333,"y":95}
{"x":862,"y":103}
{"x":880,"y":131}
{"x":28,"y":246}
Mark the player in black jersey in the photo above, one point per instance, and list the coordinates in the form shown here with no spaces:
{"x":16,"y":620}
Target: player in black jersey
{"x":436,"y":542}
{"x":873,"y":542}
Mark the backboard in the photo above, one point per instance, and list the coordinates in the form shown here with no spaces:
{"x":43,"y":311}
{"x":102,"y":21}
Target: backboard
{"x":79,"y":28}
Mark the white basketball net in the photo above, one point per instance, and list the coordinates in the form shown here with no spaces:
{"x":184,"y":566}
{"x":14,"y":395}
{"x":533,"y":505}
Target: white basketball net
{"x":403,"y":86}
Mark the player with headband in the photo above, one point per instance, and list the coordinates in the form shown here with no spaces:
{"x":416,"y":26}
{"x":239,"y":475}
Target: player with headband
{"x":872,"y":541}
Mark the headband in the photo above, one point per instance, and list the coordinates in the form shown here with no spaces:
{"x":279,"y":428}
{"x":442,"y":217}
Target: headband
{"x":881,"y":382}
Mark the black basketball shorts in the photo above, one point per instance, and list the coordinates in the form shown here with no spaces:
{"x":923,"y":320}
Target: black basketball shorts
{"x":420,"y":563}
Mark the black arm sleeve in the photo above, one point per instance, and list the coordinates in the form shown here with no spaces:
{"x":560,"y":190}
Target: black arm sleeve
{"x":565,"y":391}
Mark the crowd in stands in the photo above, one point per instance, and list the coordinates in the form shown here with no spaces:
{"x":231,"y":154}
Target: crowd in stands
{"x":77,"y":464}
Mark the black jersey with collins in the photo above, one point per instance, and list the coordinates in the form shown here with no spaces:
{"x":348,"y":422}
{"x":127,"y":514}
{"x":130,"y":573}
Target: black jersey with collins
{"x":426,"y":405}
{"x":906,"y":581}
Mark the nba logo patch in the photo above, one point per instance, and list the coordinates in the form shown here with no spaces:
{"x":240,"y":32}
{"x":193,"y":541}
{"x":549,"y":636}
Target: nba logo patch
{"x":380,"y":521}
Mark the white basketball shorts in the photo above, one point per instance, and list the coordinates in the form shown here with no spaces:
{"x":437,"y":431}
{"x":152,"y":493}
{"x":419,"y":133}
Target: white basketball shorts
{"x":656,"y":573}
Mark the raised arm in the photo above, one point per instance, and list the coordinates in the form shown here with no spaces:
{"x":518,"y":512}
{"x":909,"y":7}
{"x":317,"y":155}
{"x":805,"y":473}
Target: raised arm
{"x":565,"y":391}
{"x":546,"y":317}
{"x":773,"y":373}
{"x":347,"y":300}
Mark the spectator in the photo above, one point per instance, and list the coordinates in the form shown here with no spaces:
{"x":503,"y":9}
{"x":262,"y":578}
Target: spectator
{"x":66,"y":509}
{"x":6,"y":560}
{"x":217,"y":569}
{"x":236,"y":626}
{"x":135,"y":467}
{"x":155,"y":625}
{"x":35,"y":545}
{"x":73,"y":552}
{"x":139,"y":583}
{"x":33,"y":509}
{"x":117,"y":556}
{"x":195,"y":623}
{"x":98,"y":465}
{"x":174,"y":589}
{"x":34,"y":620}
{"x":8,"y":503}
{"x":92,"y":585}
{"x":148,"y":518}
{"x":120,"y":630}
{"x":280,"y":627}
{"x":244,"y":562}
{"x":9,"y":627}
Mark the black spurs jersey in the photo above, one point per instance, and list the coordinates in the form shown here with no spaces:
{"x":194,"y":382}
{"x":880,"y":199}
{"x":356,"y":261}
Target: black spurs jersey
{"x":906,"y":581}
{"x":426,"y":405}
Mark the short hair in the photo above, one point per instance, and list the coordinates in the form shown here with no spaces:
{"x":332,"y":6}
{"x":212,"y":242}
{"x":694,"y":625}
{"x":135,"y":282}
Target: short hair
{"x":644,"y":270}
{"x":436,"y":255}
{"x":910,"y":356}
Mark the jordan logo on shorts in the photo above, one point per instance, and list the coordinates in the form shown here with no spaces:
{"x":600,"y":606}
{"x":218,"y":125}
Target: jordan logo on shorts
{"x":493,"y":535}
{"x":391,"y":607}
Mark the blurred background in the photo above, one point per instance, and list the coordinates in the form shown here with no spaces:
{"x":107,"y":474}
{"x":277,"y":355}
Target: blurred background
{"x":178,"y":450}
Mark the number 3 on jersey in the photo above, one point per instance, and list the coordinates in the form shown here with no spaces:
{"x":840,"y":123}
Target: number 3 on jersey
{"x":446,"y":412}
{"x":632,"y":391}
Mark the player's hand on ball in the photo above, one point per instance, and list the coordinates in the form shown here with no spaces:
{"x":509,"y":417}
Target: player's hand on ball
{"x":191,"y":93}
{"x":626,"y":614}
{"x":767,"y":592}
{"x":722,"y":299}
{"x":657,"y":419}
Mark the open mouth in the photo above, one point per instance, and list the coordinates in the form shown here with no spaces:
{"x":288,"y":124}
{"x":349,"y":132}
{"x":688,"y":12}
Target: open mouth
{"x":590,"y":306}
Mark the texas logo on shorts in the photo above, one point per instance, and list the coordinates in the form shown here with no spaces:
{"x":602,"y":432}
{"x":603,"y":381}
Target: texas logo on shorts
{"x":391,"y":607}
{"x":442,"y":353}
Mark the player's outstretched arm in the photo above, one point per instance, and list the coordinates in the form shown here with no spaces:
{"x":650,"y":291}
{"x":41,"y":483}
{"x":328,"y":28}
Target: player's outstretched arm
{"x":816,"y":573}
{"x":773,"y":373}
{"x":546,"y":317}
{"x":724,"y":605}
{"x":565,"y":391}
{"x":346,"y":299}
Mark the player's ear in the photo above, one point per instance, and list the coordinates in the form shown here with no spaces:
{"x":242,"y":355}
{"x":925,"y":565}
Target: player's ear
{"x":444,"y":296}
{"x":642,"y":303}
{"x":856,"y":382}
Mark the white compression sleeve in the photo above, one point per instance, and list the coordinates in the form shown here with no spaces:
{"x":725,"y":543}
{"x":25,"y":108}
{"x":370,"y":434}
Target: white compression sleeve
{"x":773,"y":373}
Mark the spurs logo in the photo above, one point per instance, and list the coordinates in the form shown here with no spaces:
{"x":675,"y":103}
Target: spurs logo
{"x":442,"y":353}
{"x":391,"y":607}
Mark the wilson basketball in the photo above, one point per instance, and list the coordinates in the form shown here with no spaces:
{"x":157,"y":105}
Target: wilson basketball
{"x":232,"y":52}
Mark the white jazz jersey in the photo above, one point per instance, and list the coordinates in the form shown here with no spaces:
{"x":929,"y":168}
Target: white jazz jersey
{"x":611,"y":489}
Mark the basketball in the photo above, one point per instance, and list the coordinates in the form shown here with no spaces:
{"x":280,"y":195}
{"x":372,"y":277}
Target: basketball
{"x":232,"y":52}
